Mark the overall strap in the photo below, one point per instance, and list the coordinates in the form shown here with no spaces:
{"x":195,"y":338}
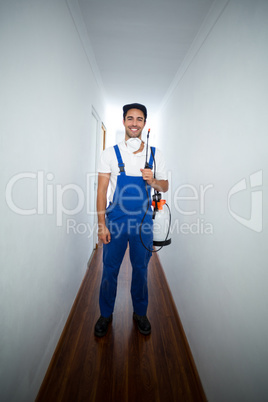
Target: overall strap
{"x":121,"y":165}
{"x":151,"y":160}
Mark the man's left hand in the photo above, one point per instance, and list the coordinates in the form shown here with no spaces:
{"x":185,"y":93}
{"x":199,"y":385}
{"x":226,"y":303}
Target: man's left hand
{"x":147,"y":174}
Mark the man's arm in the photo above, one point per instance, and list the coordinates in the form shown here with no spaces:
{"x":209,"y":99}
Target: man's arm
{"x":159,"y":185}
{"x":103,"y":182}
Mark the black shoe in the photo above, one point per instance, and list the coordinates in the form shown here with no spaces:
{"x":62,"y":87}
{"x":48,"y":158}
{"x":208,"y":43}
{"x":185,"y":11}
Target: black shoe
{"x":144,"y":325}
{"x":102,"y":325}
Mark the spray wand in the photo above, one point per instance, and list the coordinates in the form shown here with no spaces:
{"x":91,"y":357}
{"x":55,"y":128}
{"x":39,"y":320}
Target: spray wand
{"x":146,"y":159}
{"x":157,"y":195}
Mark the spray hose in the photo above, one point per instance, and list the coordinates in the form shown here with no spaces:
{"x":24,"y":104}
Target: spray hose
{"x":157,"y":202}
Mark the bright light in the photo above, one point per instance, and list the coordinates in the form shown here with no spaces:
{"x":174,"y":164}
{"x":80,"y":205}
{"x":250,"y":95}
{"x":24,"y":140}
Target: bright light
{"x":114,"y":123}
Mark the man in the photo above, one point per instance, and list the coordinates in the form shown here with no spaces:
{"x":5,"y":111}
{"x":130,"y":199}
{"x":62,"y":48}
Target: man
{"x":128,"y":218}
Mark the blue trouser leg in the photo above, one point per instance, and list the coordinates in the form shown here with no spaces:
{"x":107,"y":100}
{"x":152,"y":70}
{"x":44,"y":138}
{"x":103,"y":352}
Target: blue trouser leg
{"x":124,"y":229}
{"x":113,"y":254}
{"x":139,"y":258}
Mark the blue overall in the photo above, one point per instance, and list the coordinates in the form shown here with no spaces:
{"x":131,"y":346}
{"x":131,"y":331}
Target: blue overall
{"x":123,"y":219}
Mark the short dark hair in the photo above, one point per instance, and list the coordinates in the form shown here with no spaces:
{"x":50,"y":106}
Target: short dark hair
{"x":126,"y":108}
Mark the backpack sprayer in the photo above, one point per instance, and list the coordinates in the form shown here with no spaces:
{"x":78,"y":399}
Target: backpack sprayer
{"x":161,"y":212}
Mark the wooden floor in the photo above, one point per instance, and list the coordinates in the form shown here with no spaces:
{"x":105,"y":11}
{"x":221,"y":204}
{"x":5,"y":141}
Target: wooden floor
{"x":123,"y":366}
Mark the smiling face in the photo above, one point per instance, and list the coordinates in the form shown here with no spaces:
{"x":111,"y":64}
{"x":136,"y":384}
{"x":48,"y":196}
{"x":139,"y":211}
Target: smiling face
{"x":134,"y":123}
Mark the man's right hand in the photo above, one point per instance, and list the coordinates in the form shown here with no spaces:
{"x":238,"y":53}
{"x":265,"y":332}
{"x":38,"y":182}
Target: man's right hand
{"x":104,"y":234}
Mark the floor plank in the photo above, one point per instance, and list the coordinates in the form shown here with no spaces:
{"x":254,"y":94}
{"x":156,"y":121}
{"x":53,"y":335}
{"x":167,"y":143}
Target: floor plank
{"x":124,"y":365}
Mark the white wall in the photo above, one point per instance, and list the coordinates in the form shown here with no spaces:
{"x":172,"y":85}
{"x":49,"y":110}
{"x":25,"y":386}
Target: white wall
{"x":213,"y":131}
{"x":47,"y":93}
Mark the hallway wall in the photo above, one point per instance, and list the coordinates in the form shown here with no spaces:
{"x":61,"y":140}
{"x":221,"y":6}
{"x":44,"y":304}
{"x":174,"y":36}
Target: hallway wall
{"x":47,"y":93}
{"x":215,"y":123}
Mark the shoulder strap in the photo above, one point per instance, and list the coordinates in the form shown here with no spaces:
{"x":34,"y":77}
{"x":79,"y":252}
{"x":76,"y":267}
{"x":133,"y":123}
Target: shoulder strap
{"x":121,"y":165}
{"x":151,"y":160}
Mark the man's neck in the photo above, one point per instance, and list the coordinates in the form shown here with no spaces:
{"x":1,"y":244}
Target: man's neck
{"x":140,"y":149}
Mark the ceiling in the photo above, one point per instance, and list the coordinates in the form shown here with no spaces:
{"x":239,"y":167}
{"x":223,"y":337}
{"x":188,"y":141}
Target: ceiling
{"x":139,"y":45}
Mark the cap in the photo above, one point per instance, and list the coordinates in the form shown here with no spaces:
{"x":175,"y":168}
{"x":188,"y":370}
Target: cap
{"x":135,"y":106}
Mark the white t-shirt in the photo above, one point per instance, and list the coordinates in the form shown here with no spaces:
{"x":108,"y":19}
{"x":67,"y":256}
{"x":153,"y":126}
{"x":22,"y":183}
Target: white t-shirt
{"x":108,"y":163}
